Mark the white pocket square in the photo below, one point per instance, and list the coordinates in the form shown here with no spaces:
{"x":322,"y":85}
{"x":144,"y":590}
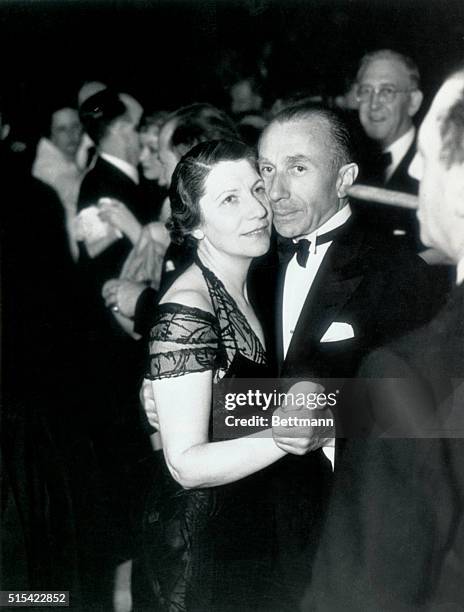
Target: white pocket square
{"x":338,"y":331}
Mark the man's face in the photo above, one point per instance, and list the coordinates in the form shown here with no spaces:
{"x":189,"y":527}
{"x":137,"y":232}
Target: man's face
{"x":441,"y":189}
{"x":243,"y":98}
{"x":149,"y":159}
{"x":168,"y":158}
{"x":297,"y":167}
{"x":66,"y":131}
{"x":385,"y":122}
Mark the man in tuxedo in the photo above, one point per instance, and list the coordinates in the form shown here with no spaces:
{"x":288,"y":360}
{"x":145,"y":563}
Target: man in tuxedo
{"x":389,"y":96}
{"x":114,"y":360}
{"x":338,"y":290}
{"x":394,"y":537}
{"x":342,"y":290}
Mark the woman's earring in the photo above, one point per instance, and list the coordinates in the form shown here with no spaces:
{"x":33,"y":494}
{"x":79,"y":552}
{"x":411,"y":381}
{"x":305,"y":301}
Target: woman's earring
{"x":198,"y":234}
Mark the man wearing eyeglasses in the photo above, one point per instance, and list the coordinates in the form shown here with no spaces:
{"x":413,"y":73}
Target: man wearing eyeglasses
{"x":389,"y":96}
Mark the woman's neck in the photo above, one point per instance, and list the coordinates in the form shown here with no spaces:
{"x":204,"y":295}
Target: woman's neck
{"x":230,"y":269}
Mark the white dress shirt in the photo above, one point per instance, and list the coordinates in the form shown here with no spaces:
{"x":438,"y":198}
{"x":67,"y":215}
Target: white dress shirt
{"x":120,"y":164}
{"x":398,"y":150}
{"x":460,"y":272}
{"x":298,"y":280}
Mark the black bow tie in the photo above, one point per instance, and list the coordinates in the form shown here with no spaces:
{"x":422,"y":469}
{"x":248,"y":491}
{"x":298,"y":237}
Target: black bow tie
{"x":288,"y":248}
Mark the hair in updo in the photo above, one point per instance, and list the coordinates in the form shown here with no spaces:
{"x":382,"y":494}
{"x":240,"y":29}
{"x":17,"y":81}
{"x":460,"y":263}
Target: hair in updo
{"x":188,"y":182}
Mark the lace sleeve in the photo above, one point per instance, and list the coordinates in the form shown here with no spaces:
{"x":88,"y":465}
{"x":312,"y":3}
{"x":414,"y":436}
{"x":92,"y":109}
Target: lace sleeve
{"x":182,"y":340}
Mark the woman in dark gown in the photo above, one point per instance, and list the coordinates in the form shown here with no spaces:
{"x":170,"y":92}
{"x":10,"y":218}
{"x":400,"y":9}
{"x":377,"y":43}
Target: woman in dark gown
{"x":210,"y":525}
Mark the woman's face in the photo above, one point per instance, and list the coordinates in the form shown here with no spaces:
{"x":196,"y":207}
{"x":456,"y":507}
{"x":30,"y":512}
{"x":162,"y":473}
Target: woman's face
{"x":236,"y":215}
{"x":149,"y":160}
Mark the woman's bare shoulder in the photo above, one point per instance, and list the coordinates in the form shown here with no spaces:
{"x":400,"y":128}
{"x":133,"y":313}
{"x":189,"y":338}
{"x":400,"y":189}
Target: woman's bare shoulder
{"x":189,"y":290}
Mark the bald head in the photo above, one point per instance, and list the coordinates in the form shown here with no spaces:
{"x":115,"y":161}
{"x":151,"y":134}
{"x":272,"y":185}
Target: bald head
{"x":439,"y":166}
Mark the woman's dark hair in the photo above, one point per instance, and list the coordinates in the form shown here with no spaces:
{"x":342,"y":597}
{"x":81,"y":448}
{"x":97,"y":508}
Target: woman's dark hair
{"x":152,"y":119}
{"x":199,"y":122}
{"x":188,"y":182}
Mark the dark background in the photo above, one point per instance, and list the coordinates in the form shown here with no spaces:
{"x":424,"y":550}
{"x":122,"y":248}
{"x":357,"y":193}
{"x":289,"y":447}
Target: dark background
{"x":169,"y":53}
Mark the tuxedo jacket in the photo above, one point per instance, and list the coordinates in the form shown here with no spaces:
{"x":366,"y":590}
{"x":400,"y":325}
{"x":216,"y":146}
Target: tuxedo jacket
{"x":114,"y":359}
{"x":376,"y":286}
{"x":394,"y":537}
{"x":381,"y":292}
{"x":105,"y":180}
{"x":392,"y":221}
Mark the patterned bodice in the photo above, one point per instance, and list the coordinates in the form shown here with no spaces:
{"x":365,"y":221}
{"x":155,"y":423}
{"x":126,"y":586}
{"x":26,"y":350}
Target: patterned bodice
{"x":185,"y":339}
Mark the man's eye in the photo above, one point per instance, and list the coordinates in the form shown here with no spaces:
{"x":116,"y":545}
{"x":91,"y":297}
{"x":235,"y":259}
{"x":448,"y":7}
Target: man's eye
{"x":265,"y":169}
{"x":299,"y":169}
{"x":388,"y":91}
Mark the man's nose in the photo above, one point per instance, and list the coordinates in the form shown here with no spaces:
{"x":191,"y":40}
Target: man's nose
{"x":278,"y":188}
{"x":143,"y":154}
{"x":374,"y":100}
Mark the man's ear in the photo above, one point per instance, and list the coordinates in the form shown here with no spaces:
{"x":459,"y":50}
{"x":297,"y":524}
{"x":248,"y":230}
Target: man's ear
{"x":415,"y":101}
{"x":455,"y":183}
{"x":346,"y":177}
{"x":120,"y":127}
{"x":4,"y":131}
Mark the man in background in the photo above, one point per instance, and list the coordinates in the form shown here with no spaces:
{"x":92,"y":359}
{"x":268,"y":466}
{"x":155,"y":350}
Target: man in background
{"x":389,"y":96}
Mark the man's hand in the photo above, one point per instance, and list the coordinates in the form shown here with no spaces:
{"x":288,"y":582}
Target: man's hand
{"x":295,"y":433}
{"x":121,"y":295}
{"x":119,"y":216}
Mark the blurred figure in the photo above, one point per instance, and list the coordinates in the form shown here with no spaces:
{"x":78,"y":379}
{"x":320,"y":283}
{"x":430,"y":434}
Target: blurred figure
{"x":87,"y":151}
{"x":246,"y":96}
{"x":56,"y":164}
{"x":40,"y":433}
{"x":349,"y":99}
{"x":394,"y":537}
{"x":246,"y":107}
{"x":389,"y":96}
{"x":182,"y":130}
{"x":114,"y":358}
{"x":152,"y":170}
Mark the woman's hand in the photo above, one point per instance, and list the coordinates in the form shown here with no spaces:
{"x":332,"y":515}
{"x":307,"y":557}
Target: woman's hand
{"x":121,"y":295}
{"x":119,"y":216}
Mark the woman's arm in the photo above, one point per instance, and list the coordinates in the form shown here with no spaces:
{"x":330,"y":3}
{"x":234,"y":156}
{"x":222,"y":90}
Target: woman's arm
{"x":183,"y":407}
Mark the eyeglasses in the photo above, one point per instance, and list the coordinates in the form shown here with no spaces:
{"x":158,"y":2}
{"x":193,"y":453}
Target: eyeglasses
{"x":385,"y":94}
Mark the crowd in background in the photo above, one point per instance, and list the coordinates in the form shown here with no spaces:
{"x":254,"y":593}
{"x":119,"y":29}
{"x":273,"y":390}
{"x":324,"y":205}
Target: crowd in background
{"x":80,"y":291}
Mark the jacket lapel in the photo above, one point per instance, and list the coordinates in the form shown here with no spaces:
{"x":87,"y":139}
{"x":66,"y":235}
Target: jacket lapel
{"x":336,"y":280}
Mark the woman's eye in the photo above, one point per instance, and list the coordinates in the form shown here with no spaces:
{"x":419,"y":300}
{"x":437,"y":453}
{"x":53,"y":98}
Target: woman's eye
{"x":229,"y":199}
{"x":259,"y":189}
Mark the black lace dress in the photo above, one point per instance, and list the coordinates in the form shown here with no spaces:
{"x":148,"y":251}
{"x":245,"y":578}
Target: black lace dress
{"x":214,"y":549}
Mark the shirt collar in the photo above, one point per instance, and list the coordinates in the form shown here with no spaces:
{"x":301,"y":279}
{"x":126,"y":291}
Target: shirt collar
{"x":122,"y":165}
{"x":460,"y":272}
{"x":399,"y":148}
{"x":337,"y":220}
